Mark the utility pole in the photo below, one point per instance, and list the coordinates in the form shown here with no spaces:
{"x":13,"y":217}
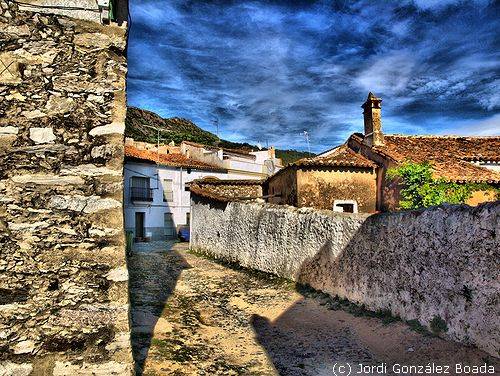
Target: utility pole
{"x":157,"y":129}
{"x":216,"y":123}
{"x":306,"y":135}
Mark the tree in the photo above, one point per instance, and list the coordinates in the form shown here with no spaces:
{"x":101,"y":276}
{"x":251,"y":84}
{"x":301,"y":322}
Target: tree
{"x":421,"y":190}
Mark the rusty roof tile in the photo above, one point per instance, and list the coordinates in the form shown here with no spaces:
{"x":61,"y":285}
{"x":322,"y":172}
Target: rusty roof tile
{"x":450,"y":156}
{"x":171,"y":160}
{"x":342,"y":156}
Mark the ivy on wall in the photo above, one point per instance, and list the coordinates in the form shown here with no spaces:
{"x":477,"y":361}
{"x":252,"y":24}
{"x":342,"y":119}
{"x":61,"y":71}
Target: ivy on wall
{"x":421,"y":190}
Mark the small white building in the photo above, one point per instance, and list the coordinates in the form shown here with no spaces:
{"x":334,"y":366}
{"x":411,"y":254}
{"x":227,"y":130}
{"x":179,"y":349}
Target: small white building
{"x":156,"y":201}
{"x":240,"y":164}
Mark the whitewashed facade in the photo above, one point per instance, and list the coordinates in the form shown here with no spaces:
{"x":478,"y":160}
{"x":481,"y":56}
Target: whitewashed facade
{"x":156,"y":200}
{"x":239,"y":164}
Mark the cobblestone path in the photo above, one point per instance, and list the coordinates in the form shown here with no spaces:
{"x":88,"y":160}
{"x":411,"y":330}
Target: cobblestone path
{"x":192,"y":316}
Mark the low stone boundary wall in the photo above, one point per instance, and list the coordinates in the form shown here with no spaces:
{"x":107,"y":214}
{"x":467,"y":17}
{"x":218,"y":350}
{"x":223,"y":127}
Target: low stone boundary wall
{"x":439,"y":266}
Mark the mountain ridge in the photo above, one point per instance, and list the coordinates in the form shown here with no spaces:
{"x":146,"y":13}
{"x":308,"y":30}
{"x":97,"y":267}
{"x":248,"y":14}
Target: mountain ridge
{"x":138,"y":122}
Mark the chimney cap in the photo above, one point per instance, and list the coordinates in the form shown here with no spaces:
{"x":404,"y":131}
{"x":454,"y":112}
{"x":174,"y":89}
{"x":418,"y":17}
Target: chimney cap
{"x":370,"y":99}
{"x":372,"y":96}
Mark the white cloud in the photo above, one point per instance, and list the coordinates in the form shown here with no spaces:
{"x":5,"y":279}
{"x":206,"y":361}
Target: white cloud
{"x":485,"y":127}
{"x":387,"y":74}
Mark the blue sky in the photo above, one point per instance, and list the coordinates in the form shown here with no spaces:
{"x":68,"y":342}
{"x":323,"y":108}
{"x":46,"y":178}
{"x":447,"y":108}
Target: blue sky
{"x":268,"y":70}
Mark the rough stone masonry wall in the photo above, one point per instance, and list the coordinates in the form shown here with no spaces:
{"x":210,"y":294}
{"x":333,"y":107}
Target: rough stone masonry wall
{"x":437,"y":263}
{"x":63,"y":276}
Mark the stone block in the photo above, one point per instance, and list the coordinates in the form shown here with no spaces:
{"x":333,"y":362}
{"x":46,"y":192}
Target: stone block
{"x":15,"y":369}
{"x":19,"y":31}
{"x":42,"y":135}
{"x":23,"y":347}
{"x":98,"y":40}
{"x":108,"y":129}
{"x":89,"y":170}
{"x":103,"y":369}
{"x":118,"y":274}
{"x":8,"y":130}
{"x":9,"y":69}
{"x":33,"y":114}
{"x":47,"y":179}
{"x":59,"y":105}
{"x":15,"y":96}
{"x":85,"y":204}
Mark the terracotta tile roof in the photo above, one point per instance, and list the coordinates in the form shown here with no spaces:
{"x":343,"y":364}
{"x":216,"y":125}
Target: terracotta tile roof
{"x":342,"y":156}
{"x":451,"y":156}
{"x":171,"y":160}
{"x":227,"y":190}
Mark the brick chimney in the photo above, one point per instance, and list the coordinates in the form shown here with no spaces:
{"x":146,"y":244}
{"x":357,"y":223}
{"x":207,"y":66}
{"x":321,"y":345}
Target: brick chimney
{"x":272,"y":152}
{"x":373,"y":121}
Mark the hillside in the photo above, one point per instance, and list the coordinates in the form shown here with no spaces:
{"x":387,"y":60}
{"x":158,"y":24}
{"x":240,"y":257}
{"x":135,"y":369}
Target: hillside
{"x":179,"y":129}
{"x":173,"y":129}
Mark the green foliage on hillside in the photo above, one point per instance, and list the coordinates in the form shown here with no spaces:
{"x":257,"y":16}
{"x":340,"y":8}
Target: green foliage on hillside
{"x":421,"y":190}
{"x":138,"y":123}
{"x":172,"y":129}
{"x":289,"y":156}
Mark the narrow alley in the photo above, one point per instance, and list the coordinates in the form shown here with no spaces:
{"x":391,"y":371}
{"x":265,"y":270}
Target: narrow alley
{"x":193,"y":316}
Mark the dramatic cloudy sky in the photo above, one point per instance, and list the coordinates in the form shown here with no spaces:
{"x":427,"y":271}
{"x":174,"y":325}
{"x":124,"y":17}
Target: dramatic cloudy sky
{"x":268,"y":70}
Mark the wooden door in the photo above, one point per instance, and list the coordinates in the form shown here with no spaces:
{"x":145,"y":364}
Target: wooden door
{"x":139,"y":225}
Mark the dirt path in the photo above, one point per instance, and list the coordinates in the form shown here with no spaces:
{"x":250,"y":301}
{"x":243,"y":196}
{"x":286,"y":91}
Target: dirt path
{"x":192,"y":316}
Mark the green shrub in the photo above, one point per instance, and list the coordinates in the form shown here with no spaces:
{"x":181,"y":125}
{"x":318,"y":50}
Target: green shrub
{"x":438,"y":325}
{"x":421,"y":190}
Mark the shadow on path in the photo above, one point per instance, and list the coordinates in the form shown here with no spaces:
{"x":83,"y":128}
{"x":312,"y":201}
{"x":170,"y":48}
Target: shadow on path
{"x":319,"y":332}
{"x":153,"y":276}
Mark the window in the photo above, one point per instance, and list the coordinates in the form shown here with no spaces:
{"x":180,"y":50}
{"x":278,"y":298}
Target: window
{"x":168,"y":193}
{"x":345,"y":206}
{"x":140,"y":182}
{"x":140,"y":190}
{"x":188,"y":218}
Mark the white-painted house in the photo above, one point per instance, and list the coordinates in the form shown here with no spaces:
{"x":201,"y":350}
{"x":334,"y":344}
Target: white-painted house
{"x":156,"y":200}
{"x":240,"y":164}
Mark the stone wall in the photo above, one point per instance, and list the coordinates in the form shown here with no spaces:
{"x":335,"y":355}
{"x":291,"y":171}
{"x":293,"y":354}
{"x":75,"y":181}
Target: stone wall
{"x":63,"y":276}
{"x":320,"y":187}
{"x":438,"y":266}
{"x":282,"y":187}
